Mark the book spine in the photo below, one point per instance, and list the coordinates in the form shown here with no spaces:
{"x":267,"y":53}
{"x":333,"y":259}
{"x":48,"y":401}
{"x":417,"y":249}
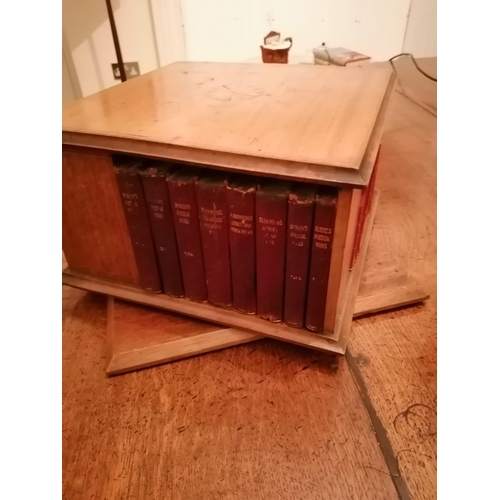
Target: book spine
{"x":134,"y":206}
{"x":162,"y":227}
{"x":241,"y":206}
{"x":187,"y":230}
{"x":321,"y":253}
{"x":364,"y":210}
{"x":271,"y":216}
{"x":298,"y":248}
{"x":212,"y":212}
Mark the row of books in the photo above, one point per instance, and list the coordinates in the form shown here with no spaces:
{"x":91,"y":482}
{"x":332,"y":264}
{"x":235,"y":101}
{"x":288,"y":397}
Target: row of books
{"x":260,"y":246}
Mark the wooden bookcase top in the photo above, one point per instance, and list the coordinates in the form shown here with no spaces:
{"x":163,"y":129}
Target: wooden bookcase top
{"x":317,"y":123}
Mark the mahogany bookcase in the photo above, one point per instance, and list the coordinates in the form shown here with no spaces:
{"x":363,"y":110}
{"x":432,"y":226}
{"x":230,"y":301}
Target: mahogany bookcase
{"x":307,"y":123}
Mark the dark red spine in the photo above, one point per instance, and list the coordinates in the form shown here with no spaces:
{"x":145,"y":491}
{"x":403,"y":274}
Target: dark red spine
{"x":212,"y":212}
{"x":129,"y":183}
{"x":363,"y":211}
{"x":154,"y":183}
{"x":301,"y":201}
{"x":271,"y":203}
{"x":241,"y":206}
{"x":182,"y":190}
{"x":321,"y":254}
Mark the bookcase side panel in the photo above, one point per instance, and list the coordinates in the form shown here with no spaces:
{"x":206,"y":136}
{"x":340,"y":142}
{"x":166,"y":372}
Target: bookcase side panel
{"x":94,"y":232}
{"x":343,"y":241}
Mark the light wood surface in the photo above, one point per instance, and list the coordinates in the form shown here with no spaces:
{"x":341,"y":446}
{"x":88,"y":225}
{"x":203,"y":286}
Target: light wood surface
{"x":227,"y":317}
{"x":386,"y":288}
{"x":288,"y":120}
{"x":95,"y":236}
{"x":268,"y":419}
{"x":140,"y":337}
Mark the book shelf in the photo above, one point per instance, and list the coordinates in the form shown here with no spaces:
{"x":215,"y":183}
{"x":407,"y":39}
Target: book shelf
{"x":142,"y":336}
{"x":311,"y":124}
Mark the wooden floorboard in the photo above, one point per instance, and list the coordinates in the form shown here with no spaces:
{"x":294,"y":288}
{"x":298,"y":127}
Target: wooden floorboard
{"x":265,"y":420}
{"x":395,"y":352}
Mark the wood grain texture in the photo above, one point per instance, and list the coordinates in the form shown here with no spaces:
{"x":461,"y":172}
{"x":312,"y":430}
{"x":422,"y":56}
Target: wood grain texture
{"x":396,"y":351}
{"x":265,"y":420}
{"x":142,"y":336}
{"x":228,"y":114}
{"x":207,"y":312}
{"x":387,"y":291}
{"x":94,"y":232}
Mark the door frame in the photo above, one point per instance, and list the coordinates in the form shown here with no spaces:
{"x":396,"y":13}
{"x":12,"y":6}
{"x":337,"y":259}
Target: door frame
{"x":168,"y":30}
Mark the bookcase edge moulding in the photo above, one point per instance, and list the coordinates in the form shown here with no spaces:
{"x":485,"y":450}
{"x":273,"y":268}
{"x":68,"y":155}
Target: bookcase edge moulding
{"x":181,"y":151}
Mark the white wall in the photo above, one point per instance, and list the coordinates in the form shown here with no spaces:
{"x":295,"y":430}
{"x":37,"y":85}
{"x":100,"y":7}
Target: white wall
{"x":232,"y":30}
{"x":68,"y":93}
{"x":421,"y":33}
{"x":88,"y":34}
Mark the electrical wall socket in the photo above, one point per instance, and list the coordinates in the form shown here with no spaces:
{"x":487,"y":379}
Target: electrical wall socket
{"x":131,"y":70}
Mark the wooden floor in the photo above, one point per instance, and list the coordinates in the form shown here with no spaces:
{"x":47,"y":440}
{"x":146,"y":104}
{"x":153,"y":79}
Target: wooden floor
{"x":270,"y":420}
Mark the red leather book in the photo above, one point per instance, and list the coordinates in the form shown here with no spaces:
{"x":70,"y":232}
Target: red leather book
{"x":241,"y":206}
{"x":154,"y":183}
{"x":364,"y":210}
{"x":301,"y":201}
{"x":321,"y":253}
{"x":182,"y":190}
{"x":271,"y":204}
{"x":212,"y":212}
{"x":129,"y":183}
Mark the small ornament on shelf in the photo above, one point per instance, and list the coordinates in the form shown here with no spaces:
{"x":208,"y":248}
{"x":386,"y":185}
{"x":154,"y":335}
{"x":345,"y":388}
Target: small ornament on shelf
{"x":275,"y":51}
